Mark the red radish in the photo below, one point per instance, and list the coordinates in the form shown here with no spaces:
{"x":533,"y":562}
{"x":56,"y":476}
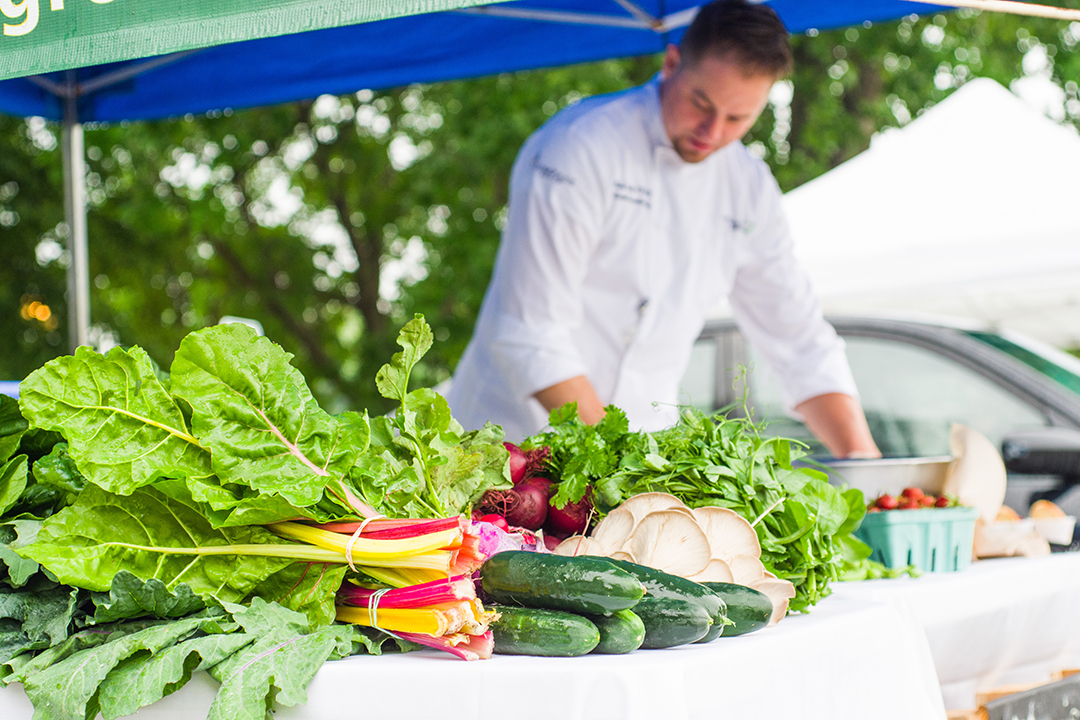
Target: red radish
{"x":571,"y":519}
{"x":525,"y":464}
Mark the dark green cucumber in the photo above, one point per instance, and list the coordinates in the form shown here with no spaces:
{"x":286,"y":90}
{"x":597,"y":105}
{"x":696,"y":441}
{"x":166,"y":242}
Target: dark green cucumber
{"x":665,"y":585}
{"x":588,"y":585}
{"x":620,"y":632}
{"x":671,"y":621}
{"x":553,"y":633}
{"x":748,"y":608}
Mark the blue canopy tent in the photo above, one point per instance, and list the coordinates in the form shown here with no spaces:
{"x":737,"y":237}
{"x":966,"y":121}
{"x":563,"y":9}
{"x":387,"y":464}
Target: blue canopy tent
{"x":428,"y":47}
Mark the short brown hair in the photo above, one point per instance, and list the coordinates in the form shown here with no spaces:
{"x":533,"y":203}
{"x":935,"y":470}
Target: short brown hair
{"x":752,"y":33}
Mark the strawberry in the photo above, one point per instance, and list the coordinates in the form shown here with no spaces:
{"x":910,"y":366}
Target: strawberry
{"x":910,"y":504}
{"x":928,"y":501}
{"x":942,"y":502}
{"x":913,"y":493}
{"x":887,"y":502}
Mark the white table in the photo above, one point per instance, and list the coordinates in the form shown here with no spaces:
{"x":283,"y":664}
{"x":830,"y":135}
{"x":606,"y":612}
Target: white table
{"x":1013,"y":620}
{"x":843,"y":661}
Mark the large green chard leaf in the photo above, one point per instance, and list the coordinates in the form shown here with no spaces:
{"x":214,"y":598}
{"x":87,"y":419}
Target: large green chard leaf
{"x":258,"y":417}
{"x":12,"y":426}
{"x":57,"y":471}
{"x":123,"y":429}
{"x":130,"y":597}
{"x":139,"y":681}
{"x":278,"y":665}
{"x":12,"y":482}
{"x":68,"y":690}
{"x":86,"y":543}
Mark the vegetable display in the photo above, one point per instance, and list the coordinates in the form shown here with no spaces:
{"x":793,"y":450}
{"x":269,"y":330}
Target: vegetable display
{"x":153,"y":525}
{"x":802,"y":524}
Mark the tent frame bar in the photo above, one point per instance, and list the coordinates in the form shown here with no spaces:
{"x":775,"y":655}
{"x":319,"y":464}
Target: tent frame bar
{"x":641,"y":20}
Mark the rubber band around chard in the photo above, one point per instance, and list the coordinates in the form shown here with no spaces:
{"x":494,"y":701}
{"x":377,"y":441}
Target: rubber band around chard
{"x":355,"y":537}
{"x":373,"y":611}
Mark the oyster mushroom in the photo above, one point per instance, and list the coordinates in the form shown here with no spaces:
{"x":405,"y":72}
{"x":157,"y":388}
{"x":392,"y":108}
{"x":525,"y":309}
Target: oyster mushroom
{"x":671,"y":541}
{"x":779,"y":591}
{"x":579,"y":545}
{"x":716,"y":571}
{"x":729,"y":533}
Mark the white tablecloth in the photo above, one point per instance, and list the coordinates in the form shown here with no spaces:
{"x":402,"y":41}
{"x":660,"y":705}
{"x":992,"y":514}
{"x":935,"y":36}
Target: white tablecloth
{"x":1013,"y":620}
{"x":843,"y":661}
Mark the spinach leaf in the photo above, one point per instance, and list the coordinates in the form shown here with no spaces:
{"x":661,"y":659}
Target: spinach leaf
{"x":123,"y":428}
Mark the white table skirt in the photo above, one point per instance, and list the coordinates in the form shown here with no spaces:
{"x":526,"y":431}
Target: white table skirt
{"x":1013,"y":620}
{"x":844,"y":660}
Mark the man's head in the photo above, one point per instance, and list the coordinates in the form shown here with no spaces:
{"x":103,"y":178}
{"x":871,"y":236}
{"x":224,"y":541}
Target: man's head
{"x":716,"y":83}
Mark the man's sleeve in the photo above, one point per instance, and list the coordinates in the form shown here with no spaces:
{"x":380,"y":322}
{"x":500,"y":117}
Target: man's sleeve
{"x":555,"y":217}
{"x":779,"y":314}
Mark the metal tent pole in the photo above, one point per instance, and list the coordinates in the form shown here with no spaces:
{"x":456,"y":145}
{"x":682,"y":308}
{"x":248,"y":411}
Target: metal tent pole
{"x":78,"y":273}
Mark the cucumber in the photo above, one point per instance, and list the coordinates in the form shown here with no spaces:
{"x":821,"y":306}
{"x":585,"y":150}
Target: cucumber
{"x":587,"y":585}
{"x":620,"y":632}
{"x":665,"y":585}
{"x":552,"y":633}
{"x":671,"y":621}
{"x":748,"y":608}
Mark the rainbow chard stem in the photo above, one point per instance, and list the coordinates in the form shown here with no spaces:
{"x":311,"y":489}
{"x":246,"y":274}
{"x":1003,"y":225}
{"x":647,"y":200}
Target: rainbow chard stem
{"x":387,"y":529}
{"x":414,"y":596}
{"x":466,"y":647}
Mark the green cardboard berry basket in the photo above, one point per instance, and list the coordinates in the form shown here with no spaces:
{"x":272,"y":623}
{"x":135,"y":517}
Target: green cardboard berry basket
{"x":932,"y":539}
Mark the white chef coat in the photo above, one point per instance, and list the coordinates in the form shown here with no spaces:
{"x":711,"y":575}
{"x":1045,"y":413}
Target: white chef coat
{"x":613,"y":251}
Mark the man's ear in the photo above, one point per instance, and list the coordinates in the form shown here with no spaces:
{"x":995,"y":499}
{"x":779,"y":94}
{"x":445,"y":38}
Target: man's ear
{"x":672,"y":59}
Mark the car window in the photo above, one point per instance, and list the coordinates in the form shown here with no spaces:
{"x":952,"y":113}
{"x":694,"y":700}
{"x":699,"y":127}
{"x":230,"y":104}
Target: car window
{"x":911,"y":396}
{"x":1055,"y":370}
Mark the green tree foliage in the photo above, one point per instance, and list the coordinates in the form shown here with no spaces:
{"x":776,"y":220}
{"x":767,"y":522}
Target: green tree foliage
{"x":332,"y":221}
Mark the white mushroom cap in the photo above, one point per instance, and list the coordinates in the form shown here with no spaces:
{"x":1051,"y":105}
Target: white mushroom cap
{"x":780,"y":592}
{"x":716,"y":571}
{"x":579,"y":545}
{"x":613,"y":530}
{"x":746,"y":570}
{"x":642,"y":504}
{"x":671,"y":541}
{"x":729,"y":533}
{"x":623,"y":555}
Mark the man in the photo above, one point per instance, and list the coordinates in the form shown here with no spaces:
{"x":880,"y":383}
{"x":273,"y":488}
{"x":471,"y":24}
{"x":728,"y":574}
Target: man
{"x":630,"y":216}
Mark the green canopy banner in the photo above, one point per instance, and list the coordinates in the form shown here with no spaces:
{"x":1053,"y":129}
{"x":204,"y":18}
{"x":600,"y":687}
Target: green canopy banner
{"x":42,"y":36}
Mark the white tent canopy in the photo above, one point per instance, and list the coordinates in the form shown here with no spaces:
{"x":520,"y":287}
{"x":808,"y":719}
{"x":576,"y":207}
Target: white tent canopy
{"x":972,"y":209}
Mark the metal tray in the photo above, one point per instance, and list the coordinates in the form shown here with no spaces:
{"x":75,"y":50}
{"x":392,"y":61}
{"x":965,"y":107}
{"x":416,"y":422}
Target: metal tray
{"x":890,"y":475}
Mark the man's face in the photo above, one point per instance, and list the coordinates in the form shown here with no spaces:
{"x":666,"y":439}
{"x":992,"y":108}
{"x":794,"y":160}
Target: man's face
{"x":710,"y":103}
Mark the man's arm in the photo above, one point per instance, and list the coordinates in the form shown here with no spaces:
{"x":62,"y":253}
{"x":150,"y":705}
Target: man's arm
{"x":838,"y":421}
{"x":578,"y":389}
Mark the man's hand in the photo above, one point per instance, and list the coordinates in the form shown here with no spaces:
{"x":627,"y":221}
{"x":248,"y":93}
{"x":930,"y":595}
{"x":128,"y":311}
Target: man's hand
{"x":838,"y":421}
{"x":578,"y":389}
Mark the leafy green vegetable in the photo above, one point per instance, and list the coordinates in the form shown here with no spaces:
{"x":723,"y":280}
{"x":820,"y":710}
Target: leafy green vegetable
{"x":87,"y":543}
{"x":35,"y":617}
{"x":69,"y":688}
{"x":57,"y":471}
{"x":278,"y":665}
{"x":423,"y":463}
{"x":12,"y":426}
{"x":257,"y":416}
{"x":130,"y":597}
{"x":308,"y":588}
{"x":12,"y":482}
{"x":123,"y":428}
{"x":14,"y":534}
{"x":138,"y":681}
{"x":713,"y":460}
